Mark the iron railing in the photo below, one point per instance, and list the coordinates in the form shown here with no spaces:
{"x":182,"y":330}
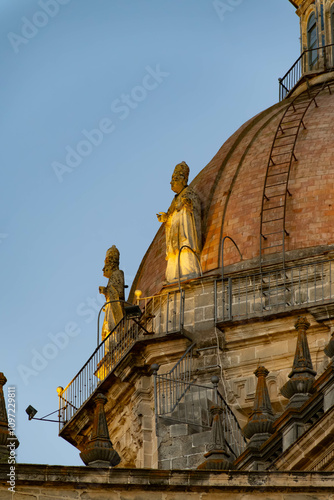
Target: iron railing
{"x":170,"y":387}
{"x":103,"y":360}
{"x":243,"y":297}
{"x":161,"y":314}
{"x":311,"y":60}
{"x":183,"y":401}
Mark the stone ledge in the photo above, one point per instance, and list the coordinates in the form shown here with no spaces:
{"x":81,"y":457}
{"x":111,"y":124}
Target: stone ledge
{"x":34,"y":475}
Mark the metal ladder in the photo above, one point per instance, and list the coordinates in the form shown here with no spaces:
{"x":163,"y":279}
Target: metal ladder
{"x":281,"y":159}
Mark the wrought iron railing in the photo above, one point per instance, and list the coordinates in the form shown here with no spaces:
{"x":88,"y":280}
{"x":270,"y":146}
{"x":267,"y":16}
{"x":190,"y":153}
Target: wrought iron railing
{"x":179,"y":399}
{"x":161,"y":314}
{"x":170,"y":387}
{"x":311,"y":60}
{"x":246,"y":296}
{"x":103,"y":360}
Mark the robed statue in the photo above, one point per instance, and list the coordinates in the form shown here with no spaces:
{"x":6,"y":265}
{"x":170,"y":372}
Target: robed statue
{"x":113,"y":292}
{"x":183,"y":228}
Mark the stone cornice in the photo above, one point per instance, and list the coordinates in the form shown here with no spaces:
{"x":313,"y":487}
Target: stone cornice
{"x":305,"y":412}
{"x":311,"y":447}
{"x":33,"y":475}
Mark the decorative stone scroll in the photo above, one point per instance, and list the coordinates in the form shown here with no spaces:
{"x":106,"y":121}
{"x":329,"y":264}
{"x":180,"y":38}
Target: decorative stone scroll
{"x":183,"y":227}
{"x":114,"y":291}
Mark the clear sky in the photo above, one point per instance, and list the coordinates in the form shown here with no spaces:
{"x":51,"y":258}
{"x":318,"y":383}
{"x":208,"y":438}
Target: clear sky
{"x":136,"y":86}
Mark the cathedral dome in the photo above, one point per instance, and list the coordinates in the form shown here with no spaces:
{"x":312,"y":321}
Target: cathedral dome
{"x":231,"y":190}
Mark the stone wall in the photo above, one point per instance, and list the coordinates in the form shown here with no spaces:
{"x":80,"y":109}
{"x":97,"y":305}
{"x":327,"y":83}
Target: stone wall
{"x":181,"y":446}
{"x":233,"y":352}
{"x":43,"y":482}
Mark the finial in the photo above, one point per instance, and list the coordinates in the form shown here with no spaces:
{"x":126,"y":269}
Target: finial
{"x":260,"y":422}
{"x":99,"y":451}
{"x":155,"y":367}
{"x":8,"y":440}
{"x":217,"y":457}
{"x":300,"y":385}
{"x":3,"y":379}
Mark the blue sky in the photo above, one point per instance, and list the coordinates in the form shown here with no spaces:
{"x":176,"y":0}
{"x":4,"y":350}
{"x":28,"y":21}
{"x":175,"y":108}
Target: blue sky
{"x":186,"y":78}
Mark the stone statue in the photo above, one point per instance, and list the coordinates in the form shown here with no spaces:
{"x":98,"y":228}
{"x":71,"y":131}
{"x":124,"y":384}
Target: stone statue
{"x":182,"y":226}
{"x":113,"y":291}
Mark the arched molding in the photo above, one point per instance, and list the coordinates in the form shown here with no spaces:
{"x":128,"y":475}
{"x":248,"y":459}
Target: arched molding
{"x":328,"y":8}
{"x":330,"y":21}
{"x":329,"y":27}
{"x":304,"y":24}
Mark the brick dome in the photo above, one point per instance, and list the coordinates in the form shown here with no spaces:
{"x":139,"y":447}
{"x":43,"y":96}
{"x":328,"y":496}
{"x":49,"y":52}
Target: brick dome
{"x":231,"y":189}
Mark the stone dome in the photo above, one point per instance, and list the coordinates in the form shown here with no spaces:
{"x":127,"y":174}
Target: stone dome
{"x":231,"y":190}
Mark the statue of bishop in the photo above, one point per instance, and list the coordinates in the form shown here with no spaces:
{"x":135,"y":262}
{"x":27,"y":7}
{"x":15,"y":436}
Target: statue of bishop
{"x":183,"y":228}
{"x":113,"y":292}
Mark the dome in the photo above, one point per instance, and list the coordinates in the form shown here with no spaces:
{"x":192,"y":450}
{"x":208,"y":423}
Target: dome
{"x":231,"y":185}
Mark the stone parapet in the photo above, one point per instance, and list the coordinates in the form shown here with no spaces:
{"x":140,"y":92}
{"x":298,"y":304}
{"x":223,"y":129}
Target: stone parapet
{"x":38,"y":482}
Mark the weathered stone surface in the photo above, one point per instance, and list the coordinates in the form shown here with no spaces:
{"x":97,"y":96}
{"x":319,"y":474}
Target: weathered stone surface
{"x":172,"y":451}
{"x":35,"y":491}
{"x":130,"y":484}
{"x":67,"y":496}
{"x":165,"y":464}
{"x":180,"y":430}
{"x":6,"y":495}
{"x":179,"y":496}
{"x":194,"y":460}
{"x":145,"y":495}
{"x":99,"y":495}
{"x":20,"y":496}
{"x":179,"y":463}
{"x":200,"y":438}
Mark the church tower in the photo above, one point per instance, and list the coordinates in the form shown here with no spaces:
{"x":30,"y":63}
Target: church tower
{"x":316,"y":38}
